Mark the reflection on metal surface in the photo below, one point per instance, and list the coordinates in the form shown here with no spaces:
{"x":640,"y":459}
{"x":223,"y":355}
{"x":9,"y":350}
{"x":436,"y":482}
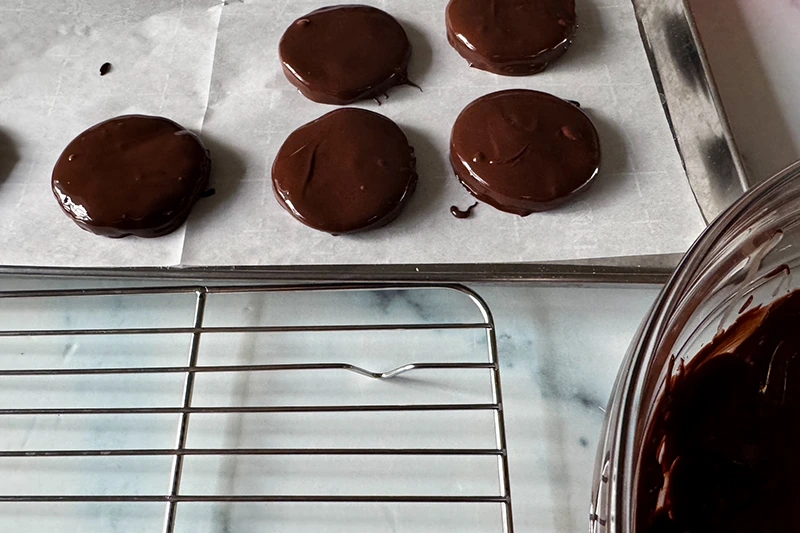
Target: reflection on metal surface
{"x":684,"y":50}
{"x":692,"y":104}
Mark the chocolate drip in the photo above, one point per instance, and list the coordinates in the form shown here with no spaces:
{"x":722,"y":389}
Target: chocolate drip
{"x":463,"y":213}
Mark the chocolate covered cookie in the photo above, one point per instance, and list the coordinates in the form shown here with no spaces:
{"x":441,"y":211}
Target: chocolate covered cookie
{"x":348,"y":171}
{"x":131,"y":175}
{"x":523,"y":151}
{"x":341,"y":54}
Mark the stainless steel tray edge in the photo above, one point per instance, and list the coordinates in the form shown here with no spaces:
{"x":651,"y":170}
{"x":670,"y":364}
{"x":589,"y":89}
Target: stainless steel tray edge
{"x":692,"y":104}
{"x":653,"y":270}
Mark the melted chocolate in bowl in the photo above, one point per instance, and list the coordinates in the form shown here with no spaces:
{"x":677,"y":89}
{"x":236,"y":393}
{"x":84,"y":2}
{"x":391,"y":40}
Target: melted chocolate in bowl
{"x":348,"y":171}
{"x":524,"y":151}
{"x":341,"y":54}
{"x":721,"y":452}
{"x":511,"y":37}
{"x":131,"y":175}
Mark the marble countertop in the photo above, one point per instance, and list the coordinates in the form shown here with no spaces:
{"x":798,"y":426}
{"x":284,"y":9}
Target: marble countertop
{"x":559,"y":348}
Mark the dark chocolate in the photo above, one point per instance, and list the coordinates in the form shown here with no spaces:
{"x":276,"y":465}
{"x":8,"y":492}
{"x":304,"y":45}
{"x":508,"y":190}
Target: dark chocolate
{"x":105,"y":68}
{"x":349,"y":170}
{"x":462,"y":213}
{"x":131,"y":175}
{"x":721,"y":451}
{"x":511,"y":37}
{"x":746,"y":304}
{"x":524,"y":151}
{"x":341,"y":54}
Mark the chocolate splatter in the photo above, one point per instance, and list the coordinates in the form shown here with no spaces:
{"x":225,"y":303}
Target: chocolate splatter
{"x":459,"y":213}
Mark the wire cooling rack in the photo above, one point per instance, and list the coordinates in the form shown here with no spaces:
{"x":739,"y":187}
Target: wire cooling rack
{"x":70,"y":403}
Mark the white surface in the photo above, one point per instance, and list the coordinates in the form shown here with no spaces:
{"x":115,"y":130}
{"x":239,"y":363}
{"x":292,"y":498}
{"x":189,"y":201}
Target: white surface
{"x":753,"y":49}
{"x":559,"y":349}
{"x":163,"y":53}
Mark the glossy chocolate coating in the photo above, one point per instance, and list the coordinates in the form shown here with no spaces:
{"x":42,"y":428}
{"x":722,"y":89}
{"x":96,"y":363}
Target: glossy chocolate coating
{"x":131,"y":175}
{"x":341,"y":54}
{"x":349,"y":170}
{"x":721,"y":452}
{"x":511,"y":37}
{"x":523,"y":151}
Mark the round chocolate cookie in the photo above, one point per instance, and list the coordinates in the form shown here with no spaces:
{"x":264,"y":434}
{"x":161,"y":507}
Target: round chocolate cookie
{"x":524,"y":151}
{"x":511,"y":37}
{"x":347,"y":171}
{"x":131,"y":175}
{"x":340,"y":54}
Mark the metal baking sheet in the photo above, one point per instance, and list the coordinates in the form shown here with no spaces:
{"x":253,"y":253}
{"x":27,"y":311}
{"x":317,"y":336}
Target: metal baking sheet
{"x":667,"y":65}
{"x":692,"y":104}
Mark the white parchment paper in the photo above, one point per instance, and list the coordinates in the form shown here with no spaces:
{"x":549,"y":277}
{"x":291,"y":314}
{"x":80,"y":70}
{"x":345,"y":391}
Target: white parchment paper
{"x":51,"y":90}
{"x":165,"y":53}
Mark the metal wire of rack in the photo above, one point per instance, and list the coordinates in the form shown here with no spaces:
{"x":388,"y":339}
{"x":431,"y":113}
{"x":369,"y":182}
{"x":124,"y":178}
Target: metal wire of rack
{"x":174,"y":496}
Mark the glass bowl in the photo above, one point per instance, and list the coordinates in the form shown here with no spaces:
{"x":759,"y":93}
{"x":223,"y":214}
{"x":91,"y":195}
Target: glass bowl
{"x":746,"y":257}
